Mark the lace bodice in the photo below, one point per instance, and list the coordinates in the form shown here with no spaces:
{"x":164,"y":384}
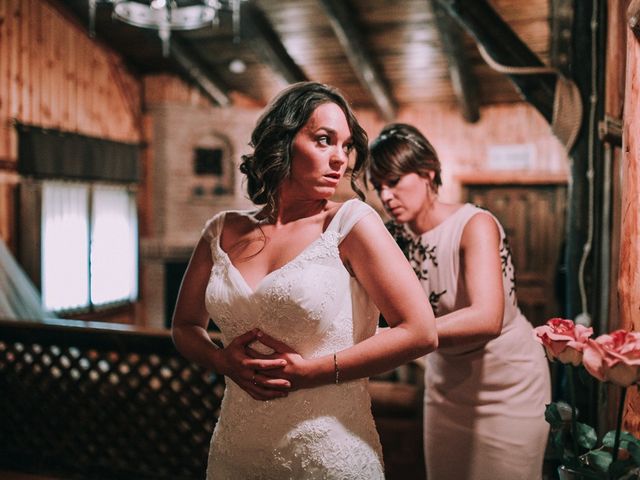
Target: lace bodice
{"x":313,"y":305}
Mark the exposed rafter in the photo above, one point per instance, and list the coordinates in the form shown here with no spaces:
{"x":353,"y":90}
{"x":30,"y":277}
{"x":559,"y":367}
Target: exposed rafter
{"x":352,"y":40}
{"x":265,"y":42}
{"x":462,"y":79}
{"x":505,"y":47}
{"x":203,"y":77}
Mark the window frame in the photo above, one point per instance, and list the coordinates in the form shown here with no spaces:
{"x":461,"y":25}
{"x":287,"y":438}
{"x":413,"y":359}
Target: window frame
{"x":30,"y":241}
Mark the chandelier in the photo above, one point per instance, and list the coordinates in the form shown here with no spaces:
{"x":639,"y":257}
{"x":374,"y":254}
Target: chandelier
{"x":166,"y":16}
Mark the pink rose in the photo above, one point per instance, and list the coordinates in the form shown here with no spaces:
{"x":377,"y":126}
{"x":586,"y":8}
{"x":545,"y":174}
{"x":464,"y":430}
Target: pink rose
{"x":614,"y":357}
{"x":563,"y":339}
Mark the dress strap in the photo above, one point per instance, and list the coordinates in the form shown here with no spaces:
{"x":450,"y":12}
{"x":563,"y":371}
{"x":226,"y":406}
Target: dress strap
{"x":213,"y":227}
{"x":350,"y":213}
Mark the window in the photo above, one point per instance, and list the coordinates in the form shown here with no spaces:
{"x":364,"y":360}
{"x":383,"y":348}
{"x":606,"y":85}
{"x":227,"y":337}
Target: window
{"x":208,"y":161}
{"x":89,"y":245}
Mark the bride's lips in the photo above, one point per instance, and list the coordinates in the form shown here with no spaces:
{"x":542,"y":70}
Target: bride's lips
{"x":333,"y":178}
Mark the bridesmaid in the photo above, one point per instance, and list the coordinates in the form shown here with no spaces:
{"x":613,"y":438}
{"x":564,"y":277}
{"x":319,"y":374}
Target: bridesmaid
{"x":487,"y":385}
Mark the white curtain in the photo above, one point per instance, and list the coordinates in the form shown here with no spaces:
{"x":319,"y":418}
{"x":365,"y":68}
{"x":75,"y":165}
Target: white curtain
{"x":114,"y":246}
{"x":89,"y":245}
{"x":65,"y":245}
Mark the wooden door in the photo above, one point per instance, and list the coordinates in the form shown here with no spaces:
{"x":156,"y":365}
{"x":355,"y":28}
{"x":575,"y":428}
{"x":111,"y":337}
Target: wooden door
{"x":533,"y":216}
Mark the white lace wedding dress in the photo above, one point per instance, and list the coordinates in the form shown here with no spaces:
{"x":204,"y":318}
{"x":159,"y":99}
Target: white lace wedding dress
{"x":314,"y":306}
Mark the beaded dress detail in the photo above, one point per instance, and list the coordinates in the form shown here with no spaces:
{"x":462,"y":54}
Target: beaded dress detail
{"x":314,"y":306}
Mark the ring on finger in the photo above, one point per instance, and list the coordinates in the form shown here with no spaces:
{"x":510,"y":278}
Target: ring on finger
{"x":253,"y":378}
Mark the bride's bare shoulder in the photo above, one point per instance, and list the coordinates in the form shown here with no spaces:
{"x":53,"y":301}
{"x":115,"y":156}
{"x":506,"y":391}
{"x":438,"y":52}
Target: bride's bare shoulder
{"x":239,"y":222}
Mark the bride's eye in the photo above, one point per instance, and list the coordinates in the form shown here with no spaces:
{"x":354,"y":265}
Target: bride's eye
{"x":323,"y":140}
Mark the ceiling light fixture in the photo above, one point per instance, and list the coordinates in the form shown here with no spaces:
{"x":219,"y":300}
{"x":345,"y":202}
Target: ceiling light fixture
{"x":168,"y":15}
{"x":237,"y":66}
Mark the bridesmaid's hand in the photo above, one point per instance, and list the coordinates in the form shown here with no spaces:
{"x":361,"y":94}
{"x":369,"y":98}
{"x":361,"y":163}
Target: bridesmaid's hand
{"x":296,"y":370}
{"x":243,"y":369}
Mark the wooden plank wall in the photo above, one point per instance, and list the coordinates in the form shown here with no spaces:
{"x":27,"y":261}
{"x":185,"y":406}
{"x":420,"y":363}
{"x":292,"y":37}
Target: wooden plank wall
{"x":54,"y":76}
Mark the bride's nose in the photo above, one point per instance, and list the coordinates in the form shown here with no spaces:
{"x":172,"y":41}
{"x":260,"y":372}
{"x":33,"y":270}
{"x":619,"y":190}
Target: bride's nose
{"x":338,"y":158}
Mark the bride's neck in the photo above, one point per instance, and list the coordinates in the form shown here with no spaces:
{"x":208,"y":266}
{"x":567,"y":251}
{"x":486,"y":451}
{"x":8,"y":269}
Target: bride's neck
{"x":291,"y":210}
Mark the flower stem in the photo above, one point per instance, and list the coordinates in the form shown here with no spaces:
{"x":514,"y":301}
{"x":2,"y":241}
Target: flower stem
{"x":572,"y":400}
{"x":616,"y":441}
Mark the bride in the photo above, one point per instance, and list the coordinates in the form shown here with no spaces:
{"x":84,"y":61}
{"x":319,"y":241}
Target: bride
{"x":296,"y":287}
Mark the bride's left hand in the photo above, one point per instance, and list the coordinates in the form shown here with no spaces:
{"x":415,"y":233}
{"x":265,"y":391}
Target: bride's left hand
{"x":296,"y":371}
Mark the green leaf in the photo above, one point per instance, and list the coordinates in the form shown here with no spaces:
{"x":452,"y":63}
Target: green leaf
{"x":587,"y":437}
{"x":599,"y":459}
{"x":552,"y":415}
{"x":625,"y":438}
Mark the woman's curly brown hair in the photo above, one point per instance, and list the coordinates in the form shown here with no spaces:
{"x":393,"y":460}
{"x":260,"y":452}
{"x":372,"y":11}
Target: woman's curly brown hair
{"x":270,"y":163}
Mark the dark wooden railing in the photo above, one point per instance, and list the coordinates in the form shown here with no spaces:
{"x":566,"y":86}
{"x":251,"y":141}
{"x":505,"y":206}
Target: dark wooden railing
{"x":96,"y":401}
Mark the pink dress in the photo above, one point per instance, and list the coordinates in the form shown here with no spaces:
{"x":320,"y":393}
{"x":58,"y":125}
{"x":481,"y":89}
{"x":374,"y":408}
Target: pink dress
{"x":484,"y":403}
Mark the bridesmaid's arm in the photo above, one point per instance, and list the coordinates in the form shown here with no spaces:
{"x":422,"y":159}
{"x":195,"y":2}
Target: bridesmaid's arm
{"x":481,"y":273}
{"x":190,"y":336}
{"x":379,"y":265}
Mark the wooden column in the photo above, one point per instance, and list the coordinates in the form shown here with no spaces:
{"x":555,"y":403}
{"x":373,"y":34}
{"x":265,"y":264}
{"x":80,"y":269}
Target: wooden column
{"x":608,"y":248}
{"x":629,"y":276}
{"x":629,"y":280}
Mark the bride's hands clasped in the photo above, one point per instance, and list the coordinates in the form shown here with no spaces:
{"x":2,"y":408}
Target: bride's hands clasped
{"x":252,"y":373}
{"x":296,"y":371}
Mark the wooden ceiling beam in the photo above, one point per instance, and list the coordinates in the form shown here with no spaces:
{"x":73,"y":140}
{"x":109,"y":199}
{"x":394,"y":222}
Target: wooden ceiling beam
{"x":199,"y":73}
{"x":505,"y":47}
{"x":463,"y":80}
{"x":267,"y":44}
{"x":350,"y":36}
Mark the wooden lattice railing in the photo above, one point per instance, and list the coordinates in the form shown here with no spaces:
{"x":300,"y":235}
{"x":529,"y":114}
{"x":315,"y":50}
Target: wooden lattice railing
{"x":94,"y":400}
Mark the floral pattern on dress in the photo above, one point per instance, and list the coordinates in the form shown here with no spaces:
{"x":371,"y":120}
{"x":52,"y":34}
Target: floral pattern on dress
{"x":434,"y":297}
{"x":416,"y":252}
{"x":420,"y":255}
{"x":506,"y":258}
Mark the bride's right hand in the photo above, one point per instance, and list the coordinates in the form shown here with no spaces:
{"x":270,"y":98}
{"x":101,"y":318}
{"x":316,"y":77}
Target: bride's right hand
{"x":241,"y":368}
